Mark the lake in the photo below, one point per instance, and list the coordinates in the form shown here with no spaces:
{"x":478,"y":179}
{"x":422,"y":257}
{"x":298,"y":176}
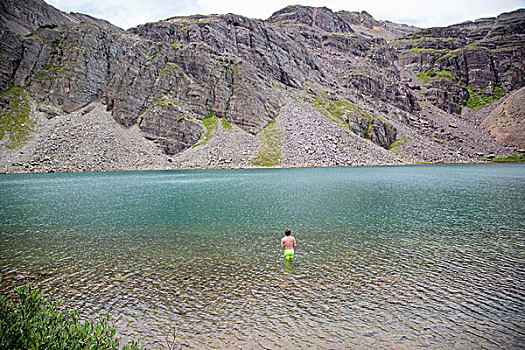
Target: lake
{"x":388,"y":257}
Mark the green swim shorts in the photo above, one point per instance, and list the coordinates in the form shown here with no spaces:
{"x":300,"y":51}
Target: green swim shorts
{"x":288,"y":253}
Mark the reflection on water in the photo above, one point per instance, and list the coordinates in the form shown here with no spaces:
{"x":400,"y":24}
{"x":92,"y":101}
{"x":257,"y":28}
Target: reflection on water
{"x":387,"y":257}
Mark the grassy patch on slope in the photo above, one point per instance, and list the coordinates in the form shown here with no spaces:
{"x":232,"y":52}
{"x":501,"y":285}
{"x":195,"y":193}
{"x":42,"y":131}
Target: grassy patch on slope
{"x":16,"y":120}
{"x":211,"y":124}
{"x":270,"y":152}
{"x":395,"y":147}
{"x":477,"y":101}
{"x":334,"y":110}
{"x":432,"y":74}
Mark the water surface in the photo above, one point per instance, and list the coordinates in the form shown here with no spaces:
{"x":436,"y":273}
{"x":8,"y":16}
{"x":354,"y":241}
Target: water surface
{"x":388,"y":256}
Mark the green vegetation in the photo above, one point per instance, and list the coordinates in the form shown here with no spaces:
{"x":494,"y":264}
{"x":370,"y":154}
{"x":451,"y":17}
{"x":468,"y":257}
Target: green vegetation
{"x":171,"y":69}
{"x":337,"y":110}
{"x":33,"y":37}
{"x":515,"y":158}
{"x":32,"y":321}
{"x":167,"y":100}
{"x":227,"y":65}
{"x":347,"y":115}
{"x":47,"y":26}
{"x":211,"y":124}
{"x":16,"y":120}
{"x":477,"y":101}
{"x":153,"y":55}
{"x":432,"y":74}
{"x":340,"y":112}
{"x":50,"y":73}
{"x":395,"y":147}
{"x":450,"y":54}
{"x":176,"y":45}
{"x":433,"y":52}
{"x":270,"y":152}
{"x":370,"y":127}
{"x":226,"y":125}
{"x":398,"y":143}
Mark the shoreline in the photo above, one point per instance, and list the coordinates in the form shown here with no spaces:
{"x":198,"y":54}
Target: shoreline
{"x":262,"y":168}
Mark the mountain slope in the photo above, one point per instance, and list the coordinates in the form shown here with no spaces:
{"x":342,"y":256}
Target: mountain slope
{"x":307,"y":87}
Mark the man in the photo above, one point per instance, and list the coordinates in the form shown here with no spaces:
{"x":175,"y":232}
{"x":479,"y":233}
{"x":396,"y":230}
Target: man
{"x":288,"y":243}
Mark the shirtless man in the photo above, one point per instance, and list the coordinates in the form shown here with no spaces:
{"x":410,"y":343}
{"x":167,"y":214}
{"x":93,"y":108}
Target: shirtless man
{"x":288,"y":243}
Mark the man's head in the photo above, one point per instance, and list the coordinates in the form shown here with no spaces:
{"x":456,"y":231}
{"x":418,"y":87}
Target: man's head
{"x":287,"y":232}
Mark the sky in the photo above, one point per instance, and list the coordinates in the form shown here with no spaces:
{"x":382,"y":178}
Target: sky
{"x":420,"y":13}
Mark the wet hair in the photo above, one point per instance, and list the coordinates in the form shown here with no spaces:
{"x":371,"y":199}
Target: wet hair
{"x":287,"y":232}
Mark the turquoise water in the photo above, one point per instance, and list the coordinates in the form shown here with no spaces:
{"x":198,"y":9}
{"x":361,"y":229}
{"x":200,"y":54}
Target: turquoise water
{"x":387,"y":257}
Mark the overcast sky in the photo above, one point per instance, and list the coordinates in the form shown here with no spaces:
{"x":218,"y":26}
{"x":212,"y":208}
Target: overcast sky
{"x":421,"y":13}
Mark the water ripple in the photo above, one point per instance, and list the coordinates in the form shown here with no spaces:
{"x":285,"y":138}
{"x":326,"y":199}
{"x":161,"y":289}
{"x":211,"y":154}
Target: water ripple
{"x":417,"y":262}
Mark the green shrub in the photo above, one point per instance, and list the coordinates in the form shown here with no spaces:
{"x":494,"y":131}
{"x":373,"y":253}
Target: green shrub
{"x":48,"y":26}
{"x":32,"y":321}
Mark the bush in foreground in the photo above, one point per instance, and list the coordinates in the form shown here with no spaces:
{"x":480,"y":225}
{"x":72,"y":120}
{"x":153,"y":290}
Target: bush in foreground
{"x":33,"y":322}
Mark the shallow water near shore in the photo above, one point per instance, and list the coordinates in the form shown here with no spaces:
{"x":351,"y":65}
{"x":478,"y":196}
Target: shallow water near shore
{"x":387,"y":257}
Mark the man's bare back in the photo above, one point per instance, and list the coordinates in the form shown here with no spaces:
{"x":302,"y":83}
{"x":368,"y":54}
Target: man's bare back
{"x":288,"y":242}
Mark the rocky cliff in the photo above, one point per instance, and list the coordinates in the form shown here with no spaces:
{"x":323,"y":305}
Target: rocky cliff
{"x":306,"y":87}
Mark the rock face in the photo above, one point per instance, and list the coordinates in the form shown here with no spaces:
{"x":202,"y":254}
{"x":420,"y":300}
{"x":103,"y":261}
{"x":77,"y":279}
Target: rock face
{"x":409,"y":95}
{"x":506,"y":122}
{"x":24,"y":17}
{"x":470,"y":63}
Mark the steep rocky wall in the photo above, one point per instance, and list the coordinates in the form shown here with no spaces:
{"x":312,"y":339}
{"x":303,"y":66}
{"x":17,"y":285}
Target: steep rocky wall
{"x":228,"y":65}
{"x":251,"y":41}
{"x":413,"y":96}
{"x":22,"y":17}
{"x":358,"y":65}
{"x":10,"y":56}
{"x":70,"y":66}
{"x":195,"y":78}
{"x":67,"y":66}
{"x":458,"y":63}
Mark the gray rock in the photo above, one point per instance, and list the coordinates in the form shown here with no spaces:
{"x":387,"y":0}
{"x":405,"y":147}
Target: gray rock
{"x":354,"y":83}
